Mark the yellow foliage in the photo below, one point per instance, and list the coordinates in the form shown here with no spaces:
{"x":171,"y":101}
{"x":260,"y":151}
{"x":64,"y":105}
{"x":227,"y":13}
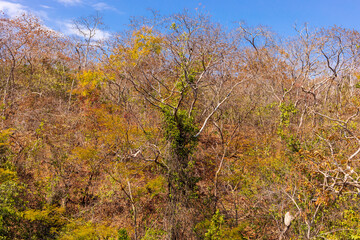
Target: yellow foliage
{"x":7,"y":175}
{"x":142,"y":43}
{"x":90,"y":81}
{"x":145,"y":42}
{"x":88,"y":231}
{"x":4,"y":135}
{"x":51,"y":216}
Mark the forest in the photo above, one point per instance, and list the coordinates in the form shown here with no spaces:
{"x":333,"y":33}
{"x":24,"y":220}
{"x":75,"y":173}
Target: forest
{"x":178,"y":128}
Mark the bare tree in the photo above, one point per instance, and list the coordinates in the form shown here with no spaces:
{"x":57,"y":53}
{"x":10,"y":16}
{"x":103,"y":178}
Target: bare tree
{"x":88,"y":27}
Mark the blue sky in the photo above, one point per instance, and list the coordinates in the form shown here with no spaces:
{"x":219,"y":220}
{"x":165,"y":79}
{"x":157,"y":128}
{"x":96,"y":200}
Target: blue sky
{"x":279,"y":15}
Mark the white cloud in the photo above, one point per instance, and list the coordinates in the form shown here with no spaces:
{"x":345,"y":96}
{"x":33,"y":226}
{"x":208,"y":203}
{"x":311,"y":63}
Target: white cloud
{"x":70,"y":29}
{"x":70,"y":2}
{"x":12,"y":9}
{"x":45,"y":6}
{"x":16,"y":9}
{"x":101,"y":6}
{"x":101,"y":35}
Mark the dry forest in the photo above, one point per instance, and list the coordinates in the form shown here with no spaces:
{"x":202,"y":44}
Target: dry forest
{"x":178,"y":128}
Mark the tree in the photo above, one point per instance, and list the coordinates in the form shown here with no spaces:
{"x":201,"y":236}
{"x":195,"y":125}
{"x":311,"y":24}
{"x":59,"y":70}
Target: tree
{"x":184,"y":74}
{"x":88,"y":27}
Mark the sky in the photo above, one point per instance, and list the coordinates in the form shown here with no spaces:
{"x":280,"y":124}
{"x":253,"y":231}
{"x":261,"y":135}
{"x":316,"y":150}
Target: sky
{"x":279,"y":15}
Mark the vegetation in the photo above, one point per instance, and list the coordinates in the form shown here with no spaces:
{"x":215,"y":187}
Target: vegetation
{"x":178,"y":129}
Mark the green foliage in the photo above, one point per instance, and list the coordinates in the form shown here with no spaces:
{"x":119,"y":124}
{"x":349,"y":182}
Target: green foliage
{"x":217,"y":228}
{"x":123,"y":235}
{"x":201,"y":227}
{"x":17,"y":222}
{"x":153,"y":234}
{"x":287,"y":110}
{"x":11,"y":206}
{"x":156,"y":186}
{"x":357,"y":85}
{"x":11,"y":203}
{"x":284,"y":130}
{"x":215,"y":231}
{"x":345,"y":225}
{"x":292,"y":143}
{"x":180,"y":130}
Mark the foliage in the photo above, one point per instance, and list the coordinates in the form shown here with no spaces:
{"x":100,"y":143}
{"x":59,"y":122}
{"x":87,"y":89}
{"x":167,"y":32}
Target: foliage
{"x":122,"y":234}
{"x":153,"y":234}
{"x":178,"y":129}
{"x":215,"y":229}
{"x":80,"y":230}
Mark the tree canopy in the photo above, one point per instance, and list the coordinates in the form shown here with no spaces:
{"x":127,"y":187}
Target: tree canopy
{"x":178,"y":129}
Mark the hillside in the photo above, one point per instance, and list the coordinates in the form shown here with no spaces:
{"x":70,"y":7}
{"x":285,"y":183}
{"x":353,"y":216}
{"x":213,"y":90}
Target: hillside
{"x":178,"y":129}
